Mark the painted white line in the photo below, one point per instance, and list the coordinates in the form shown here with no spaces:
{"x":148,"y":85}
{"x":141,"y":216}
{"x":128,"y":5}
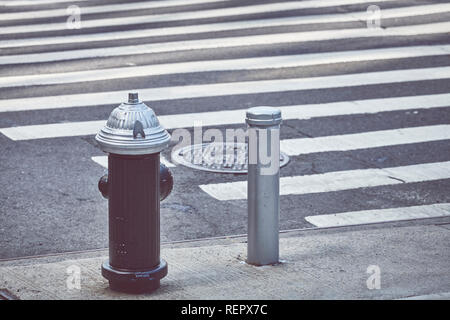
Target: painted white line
{"x":365,"y":140}
{"x":338,"y":180}
{"x":103,"y":161}
{"x":225,"y":26}
{"x":218,"y":43}
{"x":174,"y":16}
{"x":226,"y":89}
{"x":166,"y":162}
{"x":17,"y":3}
{"x":288,"y":61}
{"x":380,"y":215}
{"x":218,"y":118}
{"x":432,"y":296}
{"x":121,"y":7}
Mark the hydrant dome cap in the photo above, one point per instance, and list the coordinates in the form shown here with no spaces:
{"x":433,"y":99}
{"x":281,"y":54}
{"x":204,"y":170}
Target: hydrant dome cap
{"x":133,"y":128}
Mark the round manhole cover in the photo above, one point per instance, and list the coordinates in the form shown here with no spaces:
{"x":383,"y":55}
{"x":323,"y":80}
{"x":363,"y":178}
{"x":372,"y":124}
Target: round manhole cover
{"x":217,"y":157}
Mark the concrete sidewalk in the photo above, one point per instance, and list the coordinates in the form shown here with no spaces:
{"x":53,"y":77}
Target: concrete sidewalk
{"x":413,"y":260}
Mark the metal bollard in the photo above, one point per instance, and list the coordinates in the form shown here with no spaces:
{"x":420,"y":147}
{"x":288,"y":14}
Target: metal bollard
{"x":263,"y":186}
{"x":133,"y":139}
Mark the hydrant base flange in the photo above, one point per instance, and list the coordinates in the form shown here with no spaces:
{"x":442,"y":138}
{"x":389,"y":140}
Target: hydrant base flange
{"x":130,"y":281}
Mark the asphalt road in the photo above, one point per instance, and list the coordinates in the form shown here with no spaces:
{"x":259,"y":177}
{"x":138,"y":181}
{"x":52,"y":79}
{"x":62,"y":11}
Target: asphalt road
{"x":49,"y":202}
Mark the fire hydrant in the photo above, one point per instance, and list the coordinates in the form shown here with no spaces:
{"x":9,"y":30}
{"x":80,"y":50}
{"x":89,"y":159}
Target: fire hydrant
{"x":134,"y":186}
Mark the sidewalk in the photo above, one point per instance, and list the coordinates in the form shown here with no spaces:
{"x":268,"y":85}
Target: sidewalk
{"x":323,"y":264}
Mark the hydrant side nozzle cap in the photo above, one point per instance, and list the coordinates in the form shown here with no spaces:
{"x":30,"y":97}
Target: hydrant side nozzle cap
{"x":263,"y":116}
{"x":133,"y":129}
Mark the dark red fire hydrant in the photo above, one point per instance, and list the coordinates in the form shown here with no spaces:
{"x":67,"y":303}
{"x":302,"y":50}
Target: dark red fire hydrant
{"x":134,"y":186}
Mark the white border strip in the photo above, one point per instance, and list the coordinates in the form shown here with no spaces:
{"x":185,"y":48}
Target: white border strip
{"x":121,"y":7}
{"x":19,"y":3}
{"x":227,"y":42}
{"x":218,"y":118}
{"x":225,"y":26}
{"x":174,"y":16}
{"x":380,"y":215}
{"x":365,"y":140}
{"x":287,"y":61}
{"x":338,"y":180}
{"x":226,"y":89}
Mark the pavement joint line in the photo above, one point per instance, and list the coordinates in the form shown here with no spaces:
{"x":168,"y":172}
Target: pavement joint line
{"x":242,"y":237}
{"x":431,"y":296}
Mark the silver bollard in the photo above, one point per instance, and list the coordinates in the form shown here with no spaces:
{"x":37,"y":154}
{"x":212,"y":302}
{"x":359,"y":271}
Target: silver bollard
{"x":263,"y":186}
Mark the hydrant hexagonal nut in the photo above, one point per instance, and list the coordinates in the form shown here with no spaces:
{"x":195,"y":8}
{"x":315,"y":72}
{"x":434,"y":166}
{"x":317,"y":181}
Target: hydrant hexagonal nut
{"x":103,"y":186}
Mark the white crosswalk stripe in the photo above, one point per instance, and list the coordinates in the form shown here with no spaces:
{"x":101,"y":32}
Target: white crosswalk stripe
{"x":220,"y":43}
{"x":198,"y":14}
{"x":18,"y":3}
{"x":286,"y":61}
{"x":381,"y":215}
{"x":226,"y":26}
{"x":226,"y":89}
{"x":220,"y":118}
{"x":364,"y":140}
{"x":338,"y":180}
{"x":102,"y":8}
{"x":189,"y":15}
{"x":45,"y":69}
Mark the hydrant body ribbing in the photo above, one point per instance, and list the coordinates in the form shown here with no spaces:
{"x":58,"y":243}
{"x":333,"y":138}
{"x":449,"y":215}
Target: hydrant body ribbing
{"x":133,"y":211}
{"x":133,"y":138}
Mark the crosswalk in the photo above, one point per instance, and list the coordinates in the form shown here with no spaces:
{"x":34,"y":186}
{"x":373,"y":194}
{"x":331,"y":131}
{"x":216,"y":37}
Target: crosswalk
{"x":378,"y":90}
{"x":215,"y":27}
{"x":231,"y":117}
{"x":229,"y":88}
{"x":285,"y":61}
{"x":241,"y":10}
{"x":219,"y":43}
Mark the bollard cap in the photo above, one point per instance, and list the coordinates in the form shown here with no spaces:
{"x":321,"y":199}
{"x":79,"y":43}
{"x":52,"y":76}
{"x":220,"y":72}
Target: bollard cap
{"x":133,"y":128}
{"x":263,"y":116}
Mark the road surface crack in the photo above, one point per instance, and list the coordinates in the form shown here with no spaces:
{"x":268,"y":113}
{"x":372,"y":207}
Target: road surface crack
{"x":403,"y":181}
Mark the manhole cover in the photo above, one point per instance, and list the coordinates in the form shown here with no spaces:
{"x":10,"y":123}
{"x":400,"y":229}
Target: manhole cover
{"x":217,"y":157}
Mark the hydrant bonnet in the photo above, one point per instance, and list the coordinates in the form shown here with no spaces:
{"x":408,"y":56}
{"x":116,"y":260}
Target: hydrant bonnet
{"x":133,"y":129}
